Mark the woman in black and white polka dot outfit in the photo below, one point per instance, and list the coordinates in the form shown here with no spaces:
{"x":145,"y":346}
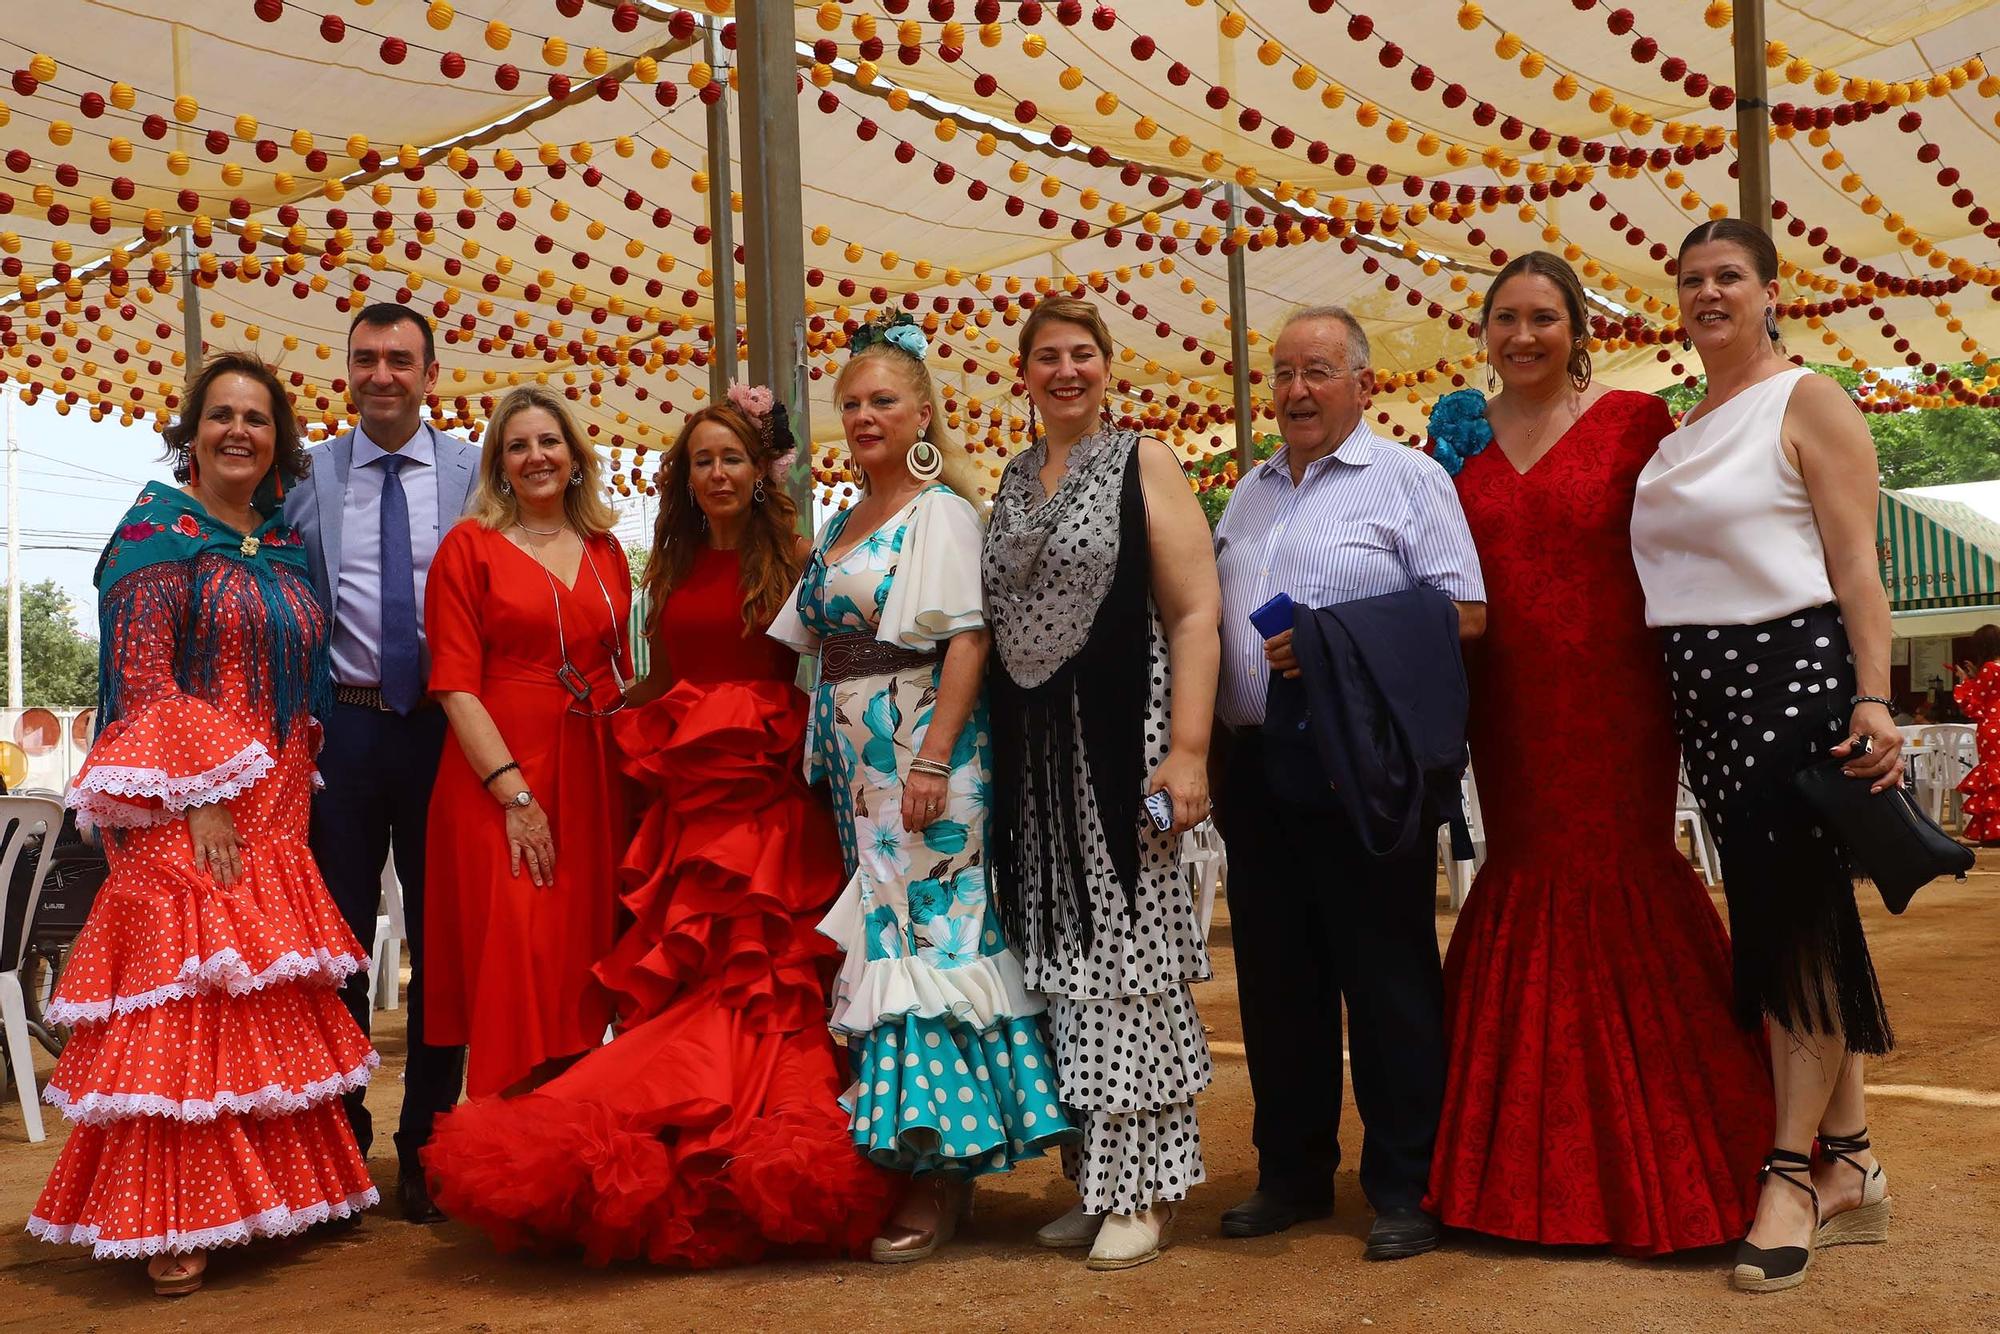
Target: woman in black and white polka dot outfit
{"x":1753,"y":531}
{"x":1102,"y":596}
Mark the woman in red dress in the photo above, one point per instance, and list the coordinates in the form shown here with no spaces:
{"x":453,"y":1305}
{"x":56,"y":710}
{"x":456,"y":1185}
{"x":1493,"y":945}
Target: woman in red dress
{"x":210,"y":1047}
{"x":1599,"y":1090}
{"x":710,"y":1130}
{"x":1978,"y":693}
{"x":525,"y":612}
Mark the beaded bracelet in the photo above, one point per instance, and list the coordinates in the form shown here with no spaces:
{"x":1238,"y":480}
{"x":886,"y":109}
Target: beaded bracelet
{"x":1859,"y":700}
{"x":488,"y":781}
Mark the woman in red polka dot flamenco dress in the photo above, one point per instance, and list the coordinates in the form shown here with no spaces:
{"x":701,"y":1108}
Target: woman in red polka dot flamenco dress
{"x":1978,"y":693}
{"x":210,"y":1046}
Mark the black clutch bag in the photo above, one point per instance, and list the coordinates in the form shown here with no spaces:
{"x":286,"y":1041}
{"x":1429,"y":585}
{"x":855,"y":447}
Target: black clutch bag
{"x":1889,"y":837}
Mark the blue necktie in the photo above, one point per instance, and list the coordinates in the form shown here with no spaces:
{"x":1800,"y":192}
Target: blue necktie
{"x":402,"y":660}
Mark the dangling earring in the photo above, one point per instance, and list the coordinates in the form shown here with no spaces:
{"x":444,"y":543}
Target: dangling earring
{"x":278,"y":483}
{"x":506,"y":487}
{"x":1579,"y":378}
{"x":576,"y":477}
{"x":1491,"y":378}
{"x":925,"y":461}
{"x":1771,"y":323}
{"x":1031,"y":423}
{"x":194,"y":468}
{"x":1687,"y":340}
{"x":757,"y":492}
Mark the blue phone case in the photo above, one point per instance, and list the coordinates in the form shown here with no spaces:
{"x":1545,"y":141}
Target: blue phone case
{"x":1274,"y":617}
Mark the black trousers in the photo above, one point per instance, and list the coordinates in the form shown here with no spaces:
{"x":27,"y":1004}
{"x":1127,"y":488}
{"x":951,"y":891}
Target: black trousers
{"x":1315,"y":921}
{"x":379,"y":768}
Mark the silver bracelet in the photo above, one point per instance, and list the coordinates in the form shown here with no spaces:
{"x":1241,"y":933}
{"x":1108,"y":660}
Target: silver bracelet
{"x":1859,"y":700}
{"x":935,"y":768}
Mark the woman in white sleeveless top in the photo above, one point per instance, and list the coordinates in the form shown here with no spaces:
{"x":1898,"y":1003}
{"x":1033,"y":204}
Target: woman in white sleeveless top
{"x":1754,"y":535}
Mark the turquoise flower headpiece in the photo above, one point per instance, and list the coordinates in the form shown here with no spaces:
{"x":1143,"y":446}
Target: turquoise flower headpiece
{"x":1459,"y":427}
{"x":899,"y":330}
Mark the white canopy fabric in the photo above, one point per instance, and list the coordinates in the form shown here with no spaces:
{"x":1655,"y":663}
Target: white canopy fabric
{"x":930,"y":178}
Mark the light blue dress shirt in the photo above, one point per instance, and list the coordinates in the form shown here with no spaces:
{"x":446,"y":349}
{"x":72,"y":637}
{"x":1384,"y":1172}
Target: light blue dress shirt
{"x":1372,"y":517}
{"x":357,"y":618}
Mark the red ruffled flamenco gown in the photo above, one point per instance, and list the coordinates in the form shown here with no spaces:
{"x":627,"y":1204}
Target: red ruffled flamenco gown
{"x":1599,"y":1090}
{"x":1980,"y":698}
{"x":210,"y":1047}
{"x":709,"y":1132}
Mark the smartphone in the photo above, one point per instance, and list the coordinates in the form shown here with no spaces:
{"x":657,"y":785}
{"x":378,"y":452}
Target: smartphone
{"x":1160,"y":810}
{"x":1274,"y":617}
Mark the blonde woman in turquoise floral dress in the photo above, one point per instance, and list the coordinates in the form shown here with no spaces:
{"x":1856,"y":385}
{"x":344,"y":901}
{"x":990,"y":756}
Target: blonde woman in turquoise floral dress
{"x":953,"y":1079}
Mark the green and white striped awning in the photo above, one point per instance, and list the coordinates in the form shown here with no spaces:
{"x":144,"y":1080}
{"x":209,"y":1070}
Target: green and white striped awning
{"x":1936,"y":553}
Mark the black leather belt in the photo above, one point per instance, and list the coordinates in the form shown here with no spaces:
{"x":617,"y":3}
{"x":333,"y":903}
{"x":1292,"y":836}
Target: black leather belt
{"x":846,"y":656}
{"x":370,"y":697}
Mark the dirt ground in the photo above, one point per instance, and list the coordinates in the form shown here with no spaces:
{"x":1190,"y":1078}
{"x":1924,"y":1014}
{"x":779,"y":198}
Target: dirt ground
{"x":1935,"y":1115}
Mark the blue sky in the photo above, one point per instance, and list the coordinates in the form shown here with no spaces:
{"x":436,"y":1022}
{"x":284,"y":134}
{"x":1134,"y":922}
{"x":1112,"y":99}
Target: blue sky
{"x":77,"y":477}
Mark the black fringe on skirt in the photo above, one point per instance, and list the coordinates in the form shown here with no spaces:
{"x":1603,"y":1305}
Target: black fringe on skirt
{"x":1754,"y":704}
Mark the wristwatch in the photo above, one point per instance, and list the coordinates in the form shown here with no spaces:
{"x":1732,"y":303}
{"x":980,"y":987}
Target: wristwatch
{"x":520,"y":800}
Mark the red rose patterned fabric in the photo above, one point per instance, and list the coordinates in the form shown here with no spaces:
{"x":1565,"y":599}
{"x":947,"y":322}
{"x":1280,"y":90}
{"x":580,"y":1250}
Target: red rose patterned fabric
{"x":1599,"y":1091}
{"x":1980,"y":698}
{"x":210,"y":1045}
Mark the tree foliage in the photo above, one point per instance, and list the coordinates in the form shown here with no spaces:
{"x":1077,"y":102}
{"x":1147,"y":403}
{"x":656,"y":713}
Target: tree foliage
{"x":1928,"y":447}
{"x":58,"y":661}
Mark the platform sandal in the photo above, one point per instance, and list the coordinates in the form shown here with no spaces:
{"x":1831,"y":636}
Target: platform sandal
{"x":1869,"y":1220}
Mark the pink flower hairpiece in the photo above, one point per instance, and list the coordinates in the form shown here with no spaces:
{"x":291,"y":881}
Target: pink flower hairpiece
{"x":781,"y":466}
{"x":753,"y":400}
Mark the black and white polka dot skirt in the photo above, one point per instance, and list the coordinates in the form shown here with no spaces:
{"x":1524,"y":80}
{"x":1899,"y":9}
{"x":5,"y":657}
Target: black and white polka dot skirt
{"x":1754,"y":704}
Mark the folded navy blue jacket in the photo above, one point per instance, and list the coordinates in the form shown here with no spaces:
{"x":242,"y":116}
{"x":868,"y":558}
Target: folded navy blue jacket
{"x":1374,"y":726}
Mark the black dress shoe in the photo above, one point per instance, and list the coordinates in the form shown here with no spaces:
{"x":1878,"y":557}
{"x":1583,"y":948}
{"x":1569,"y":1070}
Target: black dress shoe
{"x":1266,"y":1212}
{"x":415,"y":1197}
{"x":1401,"y":1233}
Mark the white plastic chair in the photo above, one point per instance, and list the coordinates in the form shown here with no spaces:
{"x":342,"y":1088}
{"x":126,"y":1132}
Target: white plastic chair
{"x":1950,"y":750}
{"x":1203,"y":854}
{"x":1457,"y":874}
{"x":21,"y":817}
{"x":1701,"y":844}
{"x":385,"y":974}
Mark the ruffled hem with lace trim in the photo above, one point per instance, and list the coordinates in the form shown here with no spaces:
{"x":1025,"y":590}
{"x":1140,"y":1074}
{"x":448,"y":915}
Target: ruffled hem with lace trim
{"x":271,"y":1100}
{"x":223,"y":971}
{"x":280,"y":1222}
{"x":117,"y":796}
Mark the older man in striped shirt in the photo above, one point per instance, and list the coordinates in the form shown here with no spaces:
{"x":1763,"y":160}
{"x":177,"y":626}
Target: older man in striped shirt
{"x":1337,"y":514}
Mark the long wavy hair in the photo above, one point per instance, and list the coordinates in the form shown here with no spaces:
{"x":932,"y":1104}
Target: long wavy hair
{"x":769,"y":545}
{"x":495,"y":506}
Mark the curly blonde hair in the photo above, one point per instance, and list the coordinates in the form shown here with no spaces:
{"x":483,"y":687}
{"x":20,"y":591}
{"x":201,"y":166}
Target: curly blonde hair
{"x":960,"y":473}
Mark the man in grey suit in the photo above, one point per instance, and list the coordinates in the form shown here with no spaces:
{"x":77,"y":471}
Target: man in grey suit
{"x":379,"y":500}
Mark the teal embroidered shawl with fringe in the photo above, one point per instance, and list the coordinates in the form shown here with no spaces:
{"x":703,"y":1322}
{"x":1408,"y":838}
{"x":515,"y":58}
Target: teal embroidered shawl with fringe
{"x":169,"y":568}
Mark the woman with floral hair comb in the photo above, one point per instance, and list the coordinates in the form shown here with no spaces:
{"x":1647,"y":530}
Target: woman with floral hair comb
{"x":952,"y":1077}
{"x":710,"y":1131}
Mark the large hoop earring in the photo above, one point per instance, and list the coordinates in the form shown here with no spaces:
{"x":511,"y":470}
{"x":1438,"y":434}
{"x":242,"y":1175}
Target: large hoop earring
{"x":1771,"y":323}
{"x":1579,"y":367}
{"x":925,"y":461}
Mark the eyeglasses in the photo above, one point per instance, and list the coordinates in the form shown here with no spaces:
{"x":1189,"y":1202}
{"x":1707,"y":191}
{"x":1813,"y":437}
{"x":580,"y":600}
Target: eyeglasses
{"x":1316,"y":376}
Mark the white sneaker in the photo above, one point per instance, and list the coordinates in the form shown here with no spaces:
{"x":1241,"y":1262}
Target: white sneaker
{"x":1129,"y":1240}
{"x":1075,"y":1228}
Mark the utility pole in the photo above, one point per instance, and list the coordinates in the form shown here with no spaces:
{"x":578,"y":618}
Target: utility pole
{"x":773,"y":230}
{"x":1239,"y":342}
{"x":1753,"y":116}
{"x":13,"y":554}
{"x":722,"y":233}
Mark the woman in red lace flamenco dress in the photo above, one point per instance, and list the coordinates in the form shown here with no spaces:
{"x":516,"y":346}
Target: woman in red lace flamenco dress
{"x":1599,"y":1090}
{"x":210,"y":1047}
{"x":710,"y":1131}
{"x":1978,"y":693}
